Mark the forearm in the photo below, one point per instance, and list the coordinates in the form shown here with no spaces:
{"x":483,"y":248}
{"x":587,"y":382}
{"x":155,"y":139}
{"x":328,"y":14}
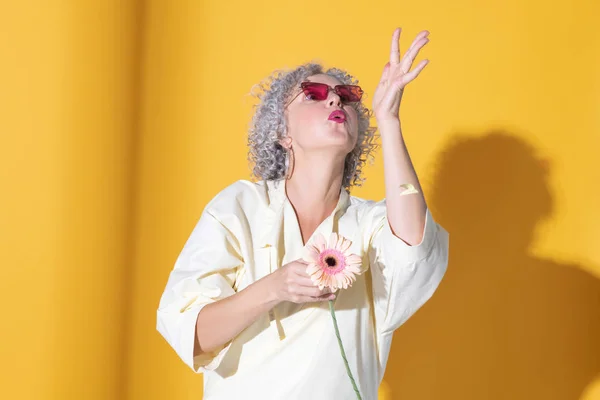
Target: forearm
{"x":406,"y":214}
{"x":220,"y":322}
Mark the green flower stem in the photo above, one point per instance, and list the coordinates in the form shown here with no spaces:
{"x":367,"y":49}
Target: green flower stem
{"x":337,"y":334}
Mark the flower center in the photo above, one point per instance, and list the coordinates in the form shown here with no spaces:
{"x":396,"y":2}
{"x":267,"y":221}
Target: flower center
{"x":331,"y":262}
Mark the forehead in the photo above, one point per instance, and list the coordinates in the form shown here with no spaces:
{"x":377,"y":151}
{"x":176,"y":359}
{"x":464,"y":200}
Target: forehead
{"x":323,"y":78}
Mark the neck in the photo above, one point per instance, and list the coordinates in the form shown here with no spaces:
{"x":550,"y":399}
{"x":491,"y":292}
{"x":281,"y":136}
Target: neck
{"x":315,"y":185}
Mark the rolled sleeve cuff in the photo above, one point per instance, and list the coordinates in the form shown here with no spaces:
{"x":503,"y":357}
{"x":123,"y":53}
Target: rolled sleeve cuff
{"x":183,"y":337}
{"x":399,"y":251}
{"x":204,"y":361}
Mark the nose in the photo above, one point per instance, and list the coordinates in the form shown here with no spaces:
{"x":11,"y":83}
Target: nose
{"x":334,"y":99}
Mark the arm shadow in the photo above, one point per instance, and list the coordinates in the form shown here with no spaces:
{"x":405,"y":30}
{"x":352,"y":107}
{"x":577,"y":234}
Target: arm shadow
{"x":504,"y":323}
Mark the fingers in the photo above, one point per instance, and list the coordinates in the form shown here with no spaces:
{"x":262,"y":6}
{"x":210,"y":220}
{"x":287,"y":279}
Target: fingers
{"x":325,"y":297}
{"x":411,"y":54}
{"x":316,"y":292}
{"x":391,"y":70}
{"x":385,"y":73}
{"x":414,"y":73}
{"x":395,"y":45}
{"x":395,"y":48}
{"x":298,"y":277}
{"x":304,"y":281}
{"x":299,"y":287}
{"x":303,"y":294}
{"x":303,"y":288}
{"x":421,"y":35}
{"x":299,"y":270}
{"x":308,"y":299}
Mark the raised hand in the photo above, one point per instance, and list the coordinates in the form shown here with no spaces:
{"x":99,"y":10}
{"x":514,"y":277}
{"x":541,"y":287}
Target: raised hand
{"x":396,"y":75}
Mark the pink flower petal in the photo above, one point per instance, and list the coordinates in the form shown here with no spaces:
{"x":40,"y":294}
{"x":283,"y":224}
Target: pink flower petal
{"x":341,"y":243}
{"x":340,"y":280}
{"x":333,"y":240}
{"x":353,"y":268}
{"x":350,"y":282}
{"x":344,"y":283}
{"x":312,"y":269}
{"x":320,"y":242}
{"x":318,"y":275}
{"x":353,"y":259}
{"x":311,"y":254}
{"x":347,"y":264}
{"x":333,"y":283}
{"x":345,"y":247}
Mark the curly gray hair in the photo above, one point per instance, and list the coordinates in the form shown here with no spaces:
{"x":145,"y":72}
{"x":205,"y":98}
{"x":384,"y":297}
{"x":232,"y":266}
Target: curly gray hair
{"x":268,"y":125}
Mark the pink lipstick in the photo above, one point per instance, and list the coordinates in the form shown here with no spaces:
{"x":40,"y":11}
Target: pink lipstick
{"x":338,"y":116}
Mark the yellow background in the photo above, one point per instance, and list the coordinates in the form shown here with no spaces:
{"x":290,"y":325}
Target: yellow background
{"x":120,"y":120}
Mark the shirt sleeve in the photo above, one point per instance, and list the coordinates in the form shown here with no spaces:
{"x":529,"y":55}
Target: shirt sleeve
{"x":204,"y":272}
{"x":404,"y":277}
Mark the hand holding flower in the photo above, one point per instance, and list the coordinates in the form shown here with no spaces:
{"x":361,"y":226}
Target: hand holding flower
{"x":292,"y":283}
{"x":331,"y":265}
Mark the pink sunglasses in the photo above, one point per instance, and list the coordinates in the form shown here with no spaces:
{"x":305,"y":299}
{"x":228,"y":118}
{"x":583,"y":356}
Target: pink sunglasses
{"x":320,"y":91}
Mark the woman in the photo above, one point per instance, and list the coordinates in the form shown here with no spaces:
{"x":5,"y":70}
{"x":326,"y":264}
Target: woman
{"x":239,"y":305}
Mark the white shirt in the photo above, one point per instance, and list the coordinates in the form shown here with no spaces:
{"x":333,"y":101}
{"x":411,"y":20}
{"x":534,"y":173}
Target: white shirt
{"x":247,"y":231}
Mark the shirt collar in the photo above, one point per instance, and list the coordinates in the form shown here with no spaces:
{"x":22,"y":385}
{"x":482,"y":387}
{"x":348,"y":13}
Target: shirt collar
{"x":271,"y":232}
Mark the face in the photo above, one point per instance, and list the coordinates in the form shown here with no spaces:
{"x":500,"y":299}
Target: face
{"x":311,"y":125}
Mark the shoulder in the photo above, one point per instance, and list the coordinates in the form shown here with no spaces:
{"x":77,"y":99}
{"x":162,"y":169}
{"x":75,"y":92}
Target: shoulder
{"x":365,"y":207}
{"x":356,"y":201}
{"x":240,"y":196}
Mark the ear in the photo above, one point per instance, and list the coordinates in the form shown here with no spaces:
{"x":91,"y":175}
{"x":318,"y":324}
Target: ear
{"x":286,"y":142}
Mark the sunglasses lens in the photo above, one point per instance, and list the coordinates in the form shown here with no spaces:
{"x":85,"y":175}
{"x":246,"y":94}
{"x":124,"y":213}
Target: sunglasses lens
{"x":349,"y":93}
{"x":318,"y":91}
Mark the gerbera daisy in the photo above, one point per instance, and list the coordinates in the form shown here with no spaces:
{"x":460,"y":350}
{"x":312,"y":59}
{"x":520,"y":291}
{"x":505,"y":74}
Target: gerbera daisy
{"x":331,"y":264}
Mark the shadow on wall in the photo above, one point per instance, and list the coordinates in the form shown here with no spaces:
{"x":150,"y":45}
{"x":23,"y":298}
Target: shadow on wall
{"x":503,"y":324}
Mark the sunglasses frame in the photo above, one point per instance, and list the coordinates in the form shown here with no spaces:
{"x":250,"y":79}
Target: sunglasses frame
{"x":335,"y":89}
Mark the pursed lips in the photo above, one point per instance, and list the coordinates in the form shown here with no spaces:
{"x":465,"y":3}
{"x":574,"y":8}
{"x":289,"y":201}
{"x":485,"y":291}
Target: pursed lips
{"x":338,"y":116}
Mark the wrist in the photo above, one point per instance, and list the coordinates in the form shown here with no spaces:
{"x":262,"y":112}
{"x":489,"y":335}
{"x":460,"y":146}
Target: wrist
{"x":389,"y":127}
{"x":386,"y":119}
{"x":270,"y":289}
{"x":389,"y":121}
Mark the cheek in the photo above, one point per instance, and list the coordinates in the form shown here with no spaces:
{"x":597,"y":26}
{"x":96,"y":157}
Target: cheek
{"x":302,"y":123}
{"x":354,"y":120}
